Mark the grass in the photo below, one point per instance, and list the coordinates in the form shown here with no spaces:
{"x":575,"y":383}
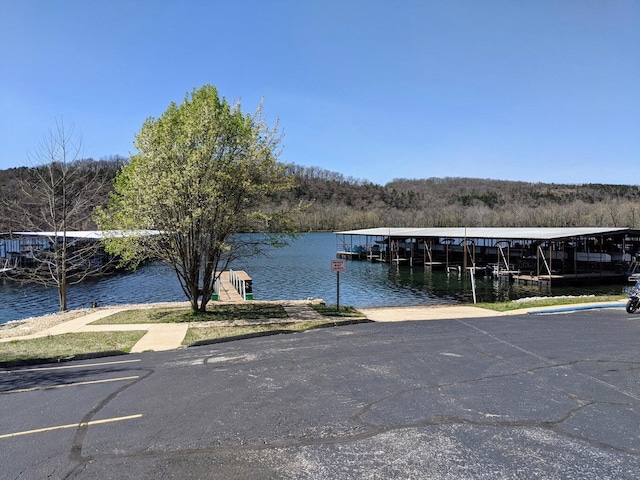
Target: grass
{"x":249,"y":311}
{"x":546,"y":302}
{"x":196,"y":334}
{"x":246,"y":311}
{"x":68,"y":345}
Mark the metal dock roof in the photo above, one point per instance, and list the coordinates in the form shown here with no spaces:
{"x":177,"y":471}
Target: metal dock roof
{"x":519,"y":233}
{"x":87,"y":234}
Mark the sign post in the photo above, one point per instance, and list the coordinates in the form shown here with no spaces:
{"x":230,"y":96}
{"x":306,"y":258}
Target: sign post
{"x":338,"y":266}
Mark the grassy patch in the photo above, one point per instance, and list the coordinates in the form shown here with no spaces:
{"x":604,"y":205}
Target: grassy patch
{"x":331,"y":311}
{"x":196,"y":334}
{"x":546,"y":302}
{"x":248,"y":311}
{"x":69,"y":344}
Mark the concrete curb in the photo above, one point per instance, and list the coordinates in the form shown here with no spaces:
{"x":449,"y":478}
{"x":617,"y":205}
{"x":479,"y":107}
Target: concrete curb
{"x":575,"y":308}
{"x":337,"y":323}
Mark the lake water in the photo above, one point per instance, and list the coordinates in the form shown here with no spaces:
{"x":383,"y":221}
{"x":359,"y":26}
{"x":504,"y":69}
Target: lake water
{"x":299,"y":271}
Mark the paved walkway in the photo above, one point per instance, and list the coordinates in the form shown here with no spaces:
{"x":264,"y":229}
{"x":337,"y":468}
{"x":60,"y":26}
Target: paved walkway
{"x":167,"y":336}
{"x":403,"y":314}
{"x":163,"y":336}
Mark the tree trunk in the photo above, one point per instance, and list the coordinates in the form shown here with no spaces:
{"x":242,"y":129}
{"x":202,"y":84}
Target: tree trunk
{"x":62,"y":275}
{"x":205,"y":299}
{"x":193,"y":297}
{"x":62,"y":294}
{"x":62,"y":282}
{"x":194,"y":305}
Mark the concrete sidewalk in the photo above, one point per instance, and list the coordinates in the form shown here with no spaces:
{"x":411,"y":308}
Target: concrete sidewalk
{"x":158,"y":337}
{"x":402,"y":314}
{"x":79,"y":324}
{"x":445,"y":312}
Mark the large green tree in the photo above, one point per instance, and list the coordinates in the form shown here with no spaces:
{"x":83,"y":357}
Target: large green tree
{"x":203,"y":173}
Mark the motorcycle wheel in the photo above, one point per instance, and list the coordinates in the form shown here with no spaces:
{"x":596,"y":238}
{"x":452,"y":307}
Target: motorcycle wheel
{"x":632,"y":305}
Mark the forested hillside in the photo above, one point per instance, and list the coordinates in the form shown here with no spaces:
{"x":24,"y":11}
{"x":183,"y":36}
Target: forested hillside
{"x":339,"y":203}
{"x":28,"y":195}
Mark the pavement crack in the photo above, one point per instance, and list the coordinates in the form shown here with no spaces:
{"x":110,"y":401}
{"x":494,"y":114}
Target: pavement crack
{"x":357,"y":417}
{"x":75,"y":454}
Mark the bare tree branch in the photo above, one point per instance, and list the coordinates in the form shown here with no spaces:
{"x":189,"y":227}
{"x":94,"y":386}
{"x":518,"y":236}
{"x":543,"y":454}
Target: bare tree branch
{"x":58,"y":195}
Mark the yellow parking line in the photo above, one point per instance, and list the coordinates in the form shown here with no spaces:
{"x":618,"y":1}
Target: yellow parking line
{"x":71,"y":425}
{"x":36,"y":369}
{"x":64,"y":385}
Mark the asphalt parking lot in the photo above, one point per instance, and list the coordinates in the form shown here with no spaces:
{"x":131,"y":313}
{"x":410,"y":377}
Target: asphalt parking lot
{"x":522,"y":396}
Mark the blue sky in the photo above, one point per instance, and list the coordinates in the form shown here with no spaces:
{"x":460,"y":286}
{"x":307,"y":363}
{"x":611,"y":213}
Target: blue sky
{"x":533,"y":90}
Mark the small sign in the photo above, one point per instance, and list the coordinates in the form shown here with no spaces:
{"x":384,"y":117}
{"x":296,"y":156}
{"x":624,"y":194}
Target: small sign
{"x":338,"y":265}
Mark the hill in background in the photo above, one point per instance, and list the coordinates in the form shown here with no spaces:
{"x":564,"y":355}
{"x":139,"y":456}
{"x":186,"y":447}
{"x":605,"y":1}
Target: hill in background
{"x":339,"y":203}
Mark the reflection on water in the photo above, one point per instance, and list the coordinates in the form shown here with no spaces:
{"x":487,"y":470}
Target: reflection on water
{"x":299,"y":271}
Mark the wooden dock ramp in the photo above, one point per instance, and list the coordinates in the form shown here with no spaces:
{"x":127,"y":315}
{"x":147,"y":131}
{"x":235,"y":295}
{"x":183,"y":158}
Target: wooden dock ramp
{"x":227,"y":292}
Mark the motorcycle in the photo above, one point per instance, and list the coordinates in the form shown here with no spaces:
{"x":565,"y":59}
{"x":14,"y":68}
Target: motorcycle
{"x":634,"y":298}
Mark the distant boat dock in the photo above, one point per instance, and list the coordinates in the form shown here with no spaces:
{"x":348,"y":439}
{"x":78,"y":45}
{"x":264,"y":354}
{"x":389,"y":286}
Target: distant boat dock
{"x":28,"y":249}
{"x":567,"y":256}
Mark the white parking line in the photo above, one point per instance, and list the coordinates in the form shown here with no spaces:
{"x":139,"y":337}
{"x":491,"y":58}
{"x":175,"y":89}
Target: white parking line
{"x":72,"y":425}
{"x":75,"y":384}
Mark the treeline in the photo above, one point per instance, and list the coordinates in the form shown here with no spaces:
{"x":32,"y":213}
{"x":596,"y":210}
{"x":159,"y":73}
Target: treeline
{"x":340,"y":203}
{"x":334,"y":202}
{"x":31,"y":196}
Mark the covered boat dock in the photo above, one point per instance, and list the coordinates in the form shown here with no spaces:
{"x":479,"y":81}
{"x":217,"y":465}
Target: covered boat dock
{"x":528,"y":255}
{"x":28,"y":249}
